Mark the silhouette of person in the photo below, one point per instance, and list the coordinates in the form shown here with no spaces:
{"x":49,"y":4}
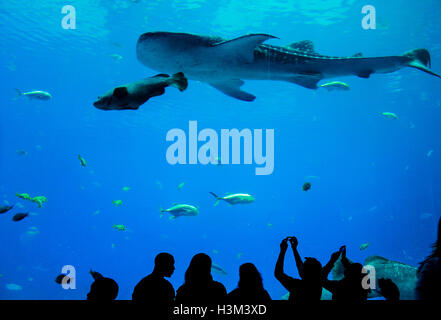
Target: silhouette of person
{"x":350,"y":288}
{"x":309,"y":287}
{"x":250,"y":287}
{"x":199,"y":286}
{"x":429,"y":273}
{"x":389,"y":290}
{"x":102,"y":289}
{"x":154,"y":290}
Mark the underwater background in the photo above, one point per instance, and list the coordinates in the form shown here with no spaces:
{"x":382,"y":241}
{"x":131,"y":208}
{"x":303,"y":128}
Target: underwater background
{"x":373,"y":179}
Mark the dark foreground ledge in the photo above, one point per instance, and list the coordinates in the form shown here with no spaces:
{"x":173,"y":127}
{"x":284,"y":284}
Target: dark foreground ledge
{"x":274,"y":310}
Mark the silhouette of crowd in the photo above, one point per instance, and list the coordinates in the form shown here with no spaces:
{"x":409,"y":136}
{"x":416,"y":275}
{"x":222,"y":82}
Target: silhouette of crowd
{"x":199,"y":287}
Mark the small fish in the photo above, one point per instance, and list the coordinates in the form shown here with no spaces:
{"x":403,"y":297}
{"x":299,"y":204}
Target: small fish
{"x":119,"y":227}
{"x":117,"y":203}
{"x":215,"y":251}
{"x":336,"y":85}
{"x":239,"y":255}
{"x":216,"y":161}
{"x":126,"y":189}
{"x":38,"y":95}
{"x":269,"y":225}
{"x":237,"y":198}
{"x":181,"y":210}
{"x":180,"y":185}
{"x":218,"y":269}
{"x":32,"y":231}
{"x":4,"y":209}
{"x":21,"y":152}
{"x":364,"y":246}
{"x":24,"y":196}
{"x":116,"y":56}
{"x":132,"y":95}
{"x":429,"y":153}
{"x":83,"y":161}
{"x":389,"y":115}
{"x":306,"y":186}
{"x":62,"y":279}
{"x":40,"y":200}
{"x":19,"y":216}
{"x":13,"y":287}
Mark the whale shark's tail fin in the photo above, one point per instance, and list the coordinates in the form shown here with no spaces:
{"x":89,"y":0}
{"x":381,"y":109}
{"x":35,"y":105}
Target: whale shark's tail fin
{"x":217,"y":198}
{"x":420,"y":59}
{"x":179,"y":81}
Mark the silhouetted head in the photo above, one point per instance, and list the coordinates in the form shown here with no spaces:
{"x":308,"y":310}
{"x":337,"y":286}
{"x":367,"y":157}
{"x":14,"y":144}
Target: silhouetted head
{"x":354,"y":272}
{"x":249,"y":277}
{"x":164,"y":264}
{"x":389,"y":289}
{"x":199,"y":270}
{"x":103,"y":289}
{"x":312,"y":269}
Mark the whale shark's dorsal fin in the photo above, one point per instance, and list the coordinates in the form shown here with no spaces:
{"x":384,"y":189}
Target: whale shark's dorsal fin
{"x":242,"y":47}
{"x":304,"y":45}
{"x":232,"y":88}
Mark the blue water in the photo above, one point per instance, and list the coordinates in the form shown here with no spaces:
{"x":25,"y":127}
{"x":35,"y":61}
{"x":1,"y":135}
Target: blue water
{"x":375,"y":179}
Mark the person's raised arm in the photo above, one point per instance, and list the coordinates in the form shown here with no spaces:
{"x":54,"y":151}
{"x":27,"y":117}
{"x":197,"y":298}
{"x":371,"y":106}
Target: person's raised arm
{"x":299,"y":263}
{"x":328,"y":267}
{"x":278,"y":272}
{"x":344,"y":260}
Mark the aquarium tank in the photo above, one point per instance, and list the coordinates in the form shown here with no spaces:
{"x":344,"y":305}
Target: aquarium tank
{"x":133,"y":127}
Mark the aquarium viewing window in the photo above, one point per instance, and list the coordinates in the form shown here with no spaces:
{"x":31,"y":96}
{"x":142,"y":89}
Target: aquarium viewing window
{"x":221,"y":158}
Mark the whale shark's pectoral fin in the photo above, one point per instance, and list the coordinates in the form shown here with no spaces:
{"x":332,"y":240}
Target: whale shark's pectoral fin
{"x":242,"y":47}
{"x":364,"y":73}
{"x":308,"y":80}
{"x":232,"y":88}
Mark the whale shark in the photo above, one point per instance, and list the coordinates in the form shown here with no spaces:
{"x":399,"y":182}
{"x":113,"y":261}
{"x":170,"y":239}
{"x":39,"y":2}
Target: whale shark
{"x":225,"y":64}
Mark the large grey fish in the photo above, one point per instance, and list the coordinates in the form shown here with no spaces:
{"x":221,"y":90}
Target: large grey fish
{"x":224,"y":64}
{"x":403,"y":275}
{"x":132,"y":95}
